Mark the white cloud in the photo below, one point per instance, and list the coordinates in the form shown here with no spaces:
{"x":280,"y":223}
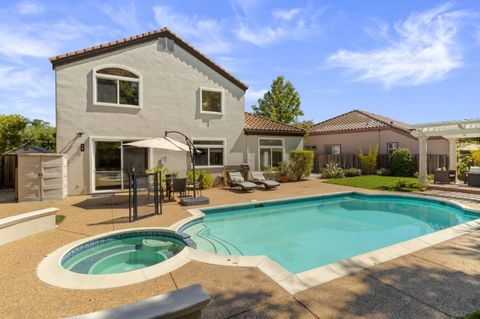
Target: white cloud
{"x":206,"y":33}
{"x":296,"y":23}
{"x":254,"y":95}
{"x":27,"y":91}
{"x":124,"y":15}
{"x":30,"y":8}
{"x":45,"y":39}
{"x":286,"y":14}
{"x":424,"y":49}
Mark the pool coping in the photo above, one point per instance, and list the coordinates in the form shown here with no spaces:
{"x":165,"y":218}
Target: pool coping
{"x":51,"y":271}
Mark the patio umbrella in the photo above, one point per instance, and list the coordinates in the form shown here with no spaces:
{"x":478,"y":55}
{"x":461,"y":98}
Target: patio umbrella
{"x":164,"y":143}
{"x":469,"y":147}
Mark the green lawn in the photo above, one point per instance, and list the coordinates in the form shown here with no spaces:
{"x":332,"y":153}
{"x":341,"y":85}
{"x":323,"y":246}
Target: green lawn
{"x":410,"y":184}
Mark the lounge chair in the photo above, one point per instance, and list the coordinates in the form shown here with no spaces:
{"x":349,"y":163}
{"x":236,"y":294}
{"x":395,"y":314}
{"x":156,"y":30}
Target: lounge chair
{"x":259,"y":179}
{"x":236,"y":180}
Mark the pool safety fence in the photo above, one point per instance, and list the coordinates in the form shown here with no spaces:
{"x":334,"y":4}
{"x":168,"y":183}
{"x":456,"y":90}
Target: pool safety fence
{"x":144,"y":195}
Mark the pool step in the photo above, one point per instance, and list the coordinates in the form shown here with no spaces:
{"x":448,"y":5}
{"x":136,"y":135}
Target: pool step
{"x":205,"y":241}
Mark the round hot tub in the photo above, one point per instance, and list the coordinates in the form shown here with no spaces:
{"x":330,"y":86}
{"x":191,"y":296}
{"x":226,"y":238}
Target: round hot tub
{"x":123,"y":252}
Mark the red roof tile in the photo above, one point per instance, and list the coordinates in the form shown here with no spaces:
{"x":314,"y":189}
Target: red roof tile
{"x":255,"y":124}
{"x":357,"y":120}
{"x":140,"y":38}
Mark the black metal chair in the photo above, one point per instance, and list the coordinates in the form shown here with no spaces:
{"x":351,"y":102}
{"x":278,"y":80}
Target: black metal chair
{"x":198,"y":184}
{"x":179,"y":185}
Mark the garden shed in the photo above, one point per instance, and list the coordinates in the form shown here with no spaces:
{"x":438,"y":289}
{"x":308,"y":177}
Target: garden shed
{"x":42,"y":176}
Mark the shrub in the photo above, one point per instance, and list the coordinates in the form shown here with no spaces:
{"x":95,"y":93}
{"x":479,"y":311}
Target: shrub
{"x":207,"y":178}
{"x":332,"y":170}
{"x":300,"y":164}
{"x":351,"y":172}
{"x":405,"y":186}
{"x":402,"y":162}
{"x":162,"y":172}
{"x":369,"y":160}
{"x":464,"y":163}
{"x":384,"y":171}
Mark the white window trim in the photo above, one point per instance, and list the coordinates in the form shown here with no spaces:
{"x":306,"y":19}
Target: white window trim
{"x":115,"y":77}
{"x":325,"y":148}
{"x":91,"y":150}
{"x":224,"y":140}
{"x":388,"y":149}
{"x":212,"y":90}
{"x":270,"y":147}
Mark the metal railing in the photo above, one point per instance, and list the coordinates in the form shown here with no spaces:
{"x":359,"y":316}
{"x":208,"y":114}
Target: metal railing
{"x":144,"y":195}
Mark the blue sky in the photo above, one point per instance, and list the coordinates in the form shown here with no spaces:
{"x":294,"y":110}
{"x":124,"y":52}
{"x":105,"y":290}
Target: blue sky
{"x":416,"y":61}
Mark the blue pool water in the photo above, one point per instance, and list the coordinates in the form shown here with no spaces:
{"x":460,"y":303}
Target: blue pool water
{"x":302,"y":234}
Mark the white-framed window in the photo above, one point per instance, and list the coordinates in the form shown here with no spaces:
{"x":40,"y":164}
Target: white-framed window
{"x":212,"y":152}
{"x":115,"y":85}
{"x":271,"y":151}
{"x":211,"y":101}
{"x":391,"y":147}
{"x":333,"y":149}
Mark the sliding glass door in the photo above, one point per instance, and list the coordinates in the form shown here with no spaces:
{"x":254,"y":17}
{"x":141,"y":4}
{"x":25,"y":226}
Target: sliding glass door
{"x":108,"y":165}
{"x":113,"y":161}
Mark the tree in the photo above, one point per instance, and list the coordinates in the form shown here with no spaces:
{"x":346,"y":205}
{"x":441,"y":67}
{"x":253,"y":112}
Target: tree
{"x":11,"y":129}
{"x":17,"y":131}
{"x":305,"y":125}
{"x":281,"y":103}
{"x":39,"y":133}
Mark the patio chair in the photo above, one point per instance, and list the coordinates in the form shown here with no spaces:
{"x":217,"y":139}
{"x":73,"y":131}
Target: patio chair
{"x":444,"y":176}
{"x":235,"y":179}
{"x":179,"y":185}
{"x":198,"y":184}
{"x":259,"y":179}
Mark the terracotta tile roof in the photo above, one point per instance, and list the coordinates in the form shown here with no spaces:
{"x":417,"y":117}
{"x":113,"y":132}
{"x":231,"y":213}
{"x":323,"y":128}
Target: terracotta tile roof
{"x":255,"y":124}
{"x":357,"y":120}
{"x":140,"y":38}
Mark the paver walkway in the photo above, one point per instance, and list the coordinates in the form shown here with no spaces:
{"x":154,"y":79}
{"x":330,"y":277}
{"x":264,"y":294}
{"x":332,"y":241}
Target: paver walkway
{"x":438,"y":282}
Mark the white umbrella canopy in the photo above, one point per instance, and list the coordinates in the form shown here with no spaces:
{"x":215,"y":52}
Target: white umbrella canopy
{"x":164,"y":143}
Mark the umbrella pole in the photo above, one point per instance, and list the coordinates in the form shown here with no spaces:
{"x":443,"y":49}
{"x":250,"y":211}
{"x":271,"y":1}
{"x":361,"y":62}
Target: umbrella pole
{"x":192,"y":151}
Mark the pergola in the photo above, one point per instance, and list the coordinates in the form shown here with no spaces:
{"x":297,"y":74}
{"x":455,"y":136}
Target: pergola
{"x":452,"y":131}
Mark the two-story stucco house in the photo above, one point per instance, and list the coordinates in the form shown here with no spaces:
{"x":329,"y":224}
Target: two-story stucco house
{"x":142,"y":86}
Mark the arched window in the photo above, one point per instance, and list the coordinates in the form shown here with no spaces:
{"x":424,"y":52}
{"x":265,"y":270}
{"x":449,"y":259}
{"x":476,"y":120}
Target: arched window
{"x":117,"y":86}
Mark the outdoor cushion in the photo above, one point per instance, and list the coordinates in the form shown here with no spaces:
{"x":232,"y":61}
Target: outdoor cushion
{"x":236,"y":177}
{"x":258,"y":176}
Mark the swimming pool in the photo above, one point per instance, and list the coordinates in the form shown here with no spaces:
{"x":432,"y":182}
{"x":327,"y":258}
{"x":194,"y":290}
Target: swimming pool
{"x":301,"y":234}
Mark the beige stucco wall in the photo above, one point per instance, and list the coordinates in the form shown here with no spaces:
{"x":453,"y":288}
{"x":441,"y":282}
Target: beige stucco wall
{"x":170,"y":85}
{"x":351,"y":142}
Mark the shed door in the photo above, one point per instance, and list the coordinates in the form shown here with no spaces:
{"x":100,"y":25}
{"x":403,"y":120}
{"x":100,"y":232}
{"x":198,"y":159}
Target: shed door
{"x":51,"y":172}
{"x":29,"y":178}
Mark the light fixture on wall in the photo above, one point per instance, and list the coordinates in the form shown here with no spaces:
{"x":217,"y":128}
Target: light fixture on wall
{"x":80,"y":134}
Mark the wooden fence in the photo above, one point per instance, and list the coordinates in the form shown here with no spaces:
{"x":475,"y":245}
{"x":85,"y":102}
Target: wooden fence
{"x":434,"y":161}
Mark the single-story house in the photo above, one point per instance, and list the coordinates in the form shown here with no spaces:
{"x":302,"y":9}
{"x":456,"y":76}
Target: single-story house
{"x":357,"y":129}
{"x":138,"y":88}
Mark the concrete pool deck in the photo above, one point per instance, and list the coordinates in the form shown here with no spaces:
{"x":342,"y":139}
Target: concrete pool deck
{"x":437,"y":282}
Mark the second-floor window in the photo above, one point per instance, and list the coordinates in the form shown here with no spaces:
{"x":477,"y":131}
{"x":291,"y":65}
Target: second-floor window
{"x":115,"y":86}
{"x":211,"y":101}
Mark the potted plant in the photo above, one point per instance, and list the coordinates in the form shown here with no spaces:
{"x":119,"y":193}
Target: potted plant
{"x":282,"y":170}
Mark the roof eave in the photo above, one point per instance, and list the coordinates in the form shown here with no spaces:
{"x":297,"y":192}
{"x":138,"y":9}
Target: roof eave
{"x":149,"y":36}
{"x":273,"y":133}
